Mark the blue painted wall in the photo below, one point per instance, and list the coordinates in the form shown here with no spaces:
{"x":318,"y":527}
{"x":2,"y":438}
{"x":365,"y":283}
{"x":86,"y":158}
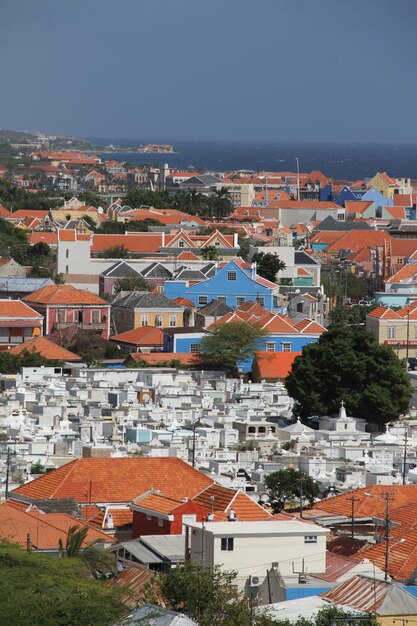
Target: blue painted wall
{"x":393,"y":299}
{"x":376,"y":196}
{"x":243,"y":287}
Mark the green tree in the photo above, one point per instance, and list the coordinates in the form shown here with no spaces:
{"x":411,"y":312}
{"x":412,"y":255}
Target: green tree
{"x":268,"y":265}
{"x":348,"y":364}
{"x":38,"y":589}
{"x":37,"y":468}
{"x":350,"y":317}
{"x":327,"y":615}
{"x":131,"y":283}
{"x":12,"y":363}
{"x":97,"y":561}
{"x":230,"y":344}
{"x":92,"y":348}
{"x":220,"y":203}
{"x":210,"y":253}
{"x":206,"y":595}
{"x":143,"y":197}
{"x":286,"y":485}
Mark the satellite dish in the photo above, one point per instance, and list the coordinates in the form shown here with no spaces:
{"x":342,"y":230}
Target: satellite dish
{"x":100,"y":209}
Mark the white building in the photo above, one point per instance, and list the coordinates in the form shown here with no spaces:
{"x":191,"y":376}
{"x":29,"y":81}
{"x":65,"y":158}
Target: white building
{"x":250,"y":548}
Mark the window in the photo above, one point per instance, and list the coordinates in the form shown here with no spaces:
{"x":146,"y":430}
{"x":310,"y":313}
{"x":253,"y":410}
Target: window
{"x":67,"y":253}
{"x":160,"y":521}
{"x":181,"y":244}
{"x":67,"y":269}
{"x":202,"y":300}
{"x":300,"y":307}
{"x":310,"y":539}
{"x":62,"y":315}
{"x":270,"y":346}
{"x":95,"y":317}
{"x":172,"y":320}
{"x":231,"y":275}
{"x":260,"y":300}
{"x":391,"y":332}
{"x":227,"y":544}
{"x":240,"y":300}
{"x":158,"y":320}
{"x":217,"y":244}
{"x":194,"y":348}
{"x":286,"y":347}
{"x":144,"y":320}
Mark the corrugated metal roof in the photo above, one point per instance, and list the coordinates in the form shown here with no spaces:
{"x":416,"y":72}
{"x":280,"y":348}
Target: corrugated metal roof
{"x":140,"y":552}
{"x":157,"y":616}
{"x":373,"y":596}
{"x":171,"y":547}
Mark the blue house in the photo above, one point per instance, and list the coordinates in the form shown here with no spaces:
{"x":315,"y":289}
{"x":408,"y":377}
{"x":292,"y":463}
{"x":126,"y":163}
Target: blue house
{"x":281,"y":334}
{"x":380,"y":200}
{"x":234,"y":284}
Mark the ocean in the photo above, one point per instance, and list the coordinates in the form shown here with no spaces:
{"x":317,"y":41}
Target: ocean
{"x":350,"y":161}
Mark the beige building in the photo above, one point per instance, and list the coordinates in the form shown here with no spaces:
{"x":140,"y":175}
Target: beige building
{"x":397,"y":329}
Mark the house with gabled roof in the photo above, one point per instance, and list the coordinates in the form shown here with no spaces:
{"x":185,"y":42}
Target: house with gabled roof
{"x":234,"y":283}
{"x":19,"y":323}
{"x":397,"y":329}
{"x":134,"y":309}
{"x":64,"y":305}
{"x":110,"y":276}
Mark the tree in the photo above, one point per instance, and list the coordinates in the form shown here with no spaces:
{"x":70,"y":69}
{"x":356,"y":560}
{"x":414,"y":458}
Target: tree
{"x":230,"y":344}
{"x":350,"y":317}
{"x":285,"y":485}
{"x":97,"y":561}
{"x":220,"y":203}
{"x":143,"y":197}
{"x":12,"y":363}
{"x":210,"y":253}
{"x":205,"y":594}
{"x":131,"y":283}
{"x":348,"y":364}
{"x":92,"y":348}
{"x":38,"y":589}
{"x":268,"y":265}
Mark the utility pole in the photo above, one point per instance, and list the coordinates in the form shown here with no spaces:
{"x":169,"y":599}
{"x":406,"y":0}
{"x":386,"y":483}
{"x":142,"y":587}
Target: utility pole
{"x":352,"y":531}
{"x":387,"y":497}
{"x":405,"y":450}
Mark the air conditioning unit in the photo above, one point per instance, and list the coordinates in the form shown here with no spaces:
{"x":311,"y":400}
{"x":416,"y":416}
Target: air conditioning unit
{"x":256,"y":581}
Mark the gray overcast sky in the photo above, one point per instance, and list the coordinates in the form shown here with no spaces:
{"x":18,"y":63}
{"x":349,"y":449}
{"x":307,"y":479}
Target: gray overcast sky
{"x":290,"y":70}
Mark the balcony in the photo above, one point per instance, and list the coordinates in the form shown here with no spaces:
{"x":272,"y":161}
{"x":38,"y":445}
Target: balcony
{"x":81,"y":325}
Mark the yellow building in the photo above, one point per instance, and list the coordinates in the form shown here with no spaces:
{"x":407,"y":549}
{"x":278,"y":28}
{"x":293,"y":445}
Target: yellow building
{"x":397,"y":329}
{"x":384,"y":183}
{"x":134,"y":309}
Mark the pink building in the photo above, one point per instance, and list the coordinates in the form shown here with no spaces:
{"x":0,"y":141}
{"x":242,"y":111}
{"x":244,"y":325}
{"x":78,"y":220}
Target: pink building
{"x":64,"y":305}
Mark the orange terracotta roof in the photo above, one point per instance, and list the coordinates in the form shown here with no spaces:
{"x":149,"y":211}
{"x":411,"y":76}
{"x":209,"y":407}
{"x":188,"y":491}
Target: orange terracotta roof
{"x":142,"y":336}
{"x":383,"y":312}
{"x":358,"y":206}
{"x":325,"y":236}
{"x":187,"y":256}
{"x":111,"y":480}
{"x":406,"y":274}
{"x":17,"y":308}
{"x":356,"y":239}
{"x":396,"y":212}
{"x":22,"y":214}
{"x":403,"y":199}
{"x":139,"y":243}
{"x":403,"y":247}
{"x":39,"y":236}
{"x":45,"y":529}
{"x":221,"y":499}
{"x":64,"y":294}
{"x":158,"y":359}
{"x":184,"y":302}
{"x":275,"y":365}
{"x":158,"y":502}
{"x":369,"y":506}
{"x":46,"y":348}
{"x":310,"y":327}
{"x":402,"y":562}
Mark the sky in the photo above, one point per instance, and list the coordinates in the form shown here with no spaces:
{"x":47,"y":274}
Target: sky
{"x":244,"y":70}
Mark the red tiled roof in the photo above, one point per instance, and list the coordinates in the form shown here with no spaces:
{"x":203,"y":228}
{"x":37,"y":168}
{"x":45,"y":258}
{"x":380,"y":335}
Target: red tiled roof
{"x":17,"y":309}
{"x":275,"y":365}
{"x":111,"y":480}
{"x":44,"y":529}
{"x":357,"y":239}
{"x":220,"y":499}
{"x":383,"y":312}
{"x":155,"y":359}
{"x":142,"y":336}
{"x":396,"y":212}
{"x":407,"y":274}
{"x":64,"y":294}
{"x":369,"y":506}
{"x":47,"y":349}
{"x":158,"y":502}
{"x":39,"y":236}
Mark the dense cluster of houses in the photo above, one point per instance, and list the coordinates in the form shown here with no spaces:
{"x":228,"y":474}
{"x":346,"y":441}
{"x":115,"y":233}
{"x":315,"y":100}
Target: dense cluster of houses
{"x":166,"y":464}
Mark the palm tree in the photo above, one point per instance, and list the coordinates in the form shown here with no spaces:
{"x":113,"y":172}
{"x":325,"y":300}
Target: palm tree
{"x":97,"y":561}
{"x":221,"y":203}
